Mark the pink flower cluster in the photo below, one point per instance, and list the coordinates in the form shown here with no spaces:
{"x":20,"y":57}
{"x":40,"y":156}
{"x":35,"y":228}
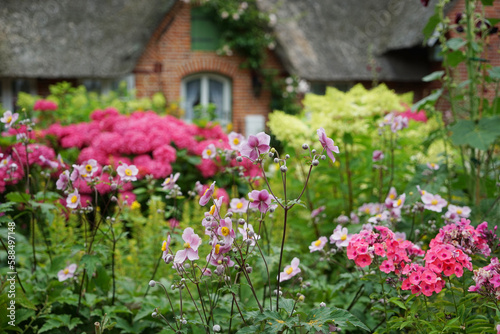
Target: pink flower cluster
{"x":487,"y":280}
{"x":45,"y":105}
{"x":381,"y":242}
{"x":144,"y":139}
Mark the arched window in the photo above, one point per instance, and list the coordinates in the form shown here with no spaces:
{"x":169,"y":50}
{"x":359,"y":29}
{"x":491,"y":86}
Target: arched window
{"x":207,"y":96}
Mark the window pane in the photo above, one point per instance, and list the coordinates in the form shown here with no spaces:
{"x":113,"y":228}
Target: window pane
{"x":216,"y":97}
{"x":193,"y":96}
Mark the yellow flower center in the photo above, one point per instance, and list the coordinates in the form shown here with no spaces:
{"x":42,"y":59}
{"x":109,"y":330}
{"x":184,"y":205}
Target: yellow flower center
{"x":217,"y":249}
{"x":187,"y":245}
{"x":398,"y":203}
{"x":167,"y":181}
{"x":379,"y":216}
{"x":224,"y":231}
{"x":434,"y":202}
{"x":66,"y":271}
{"x":128,"y":172}
{"x":367,"y":210}
{"x":74,"y":199}
{"x":164,"y":246}
{"x":212,"y":210}
{"x":236,"y":141}
{"x":433,"y":165}
{"x":289,"y":270}
{"x":343,"y":237}
{"x":317,"y":243}
{"x":209,"y":152}
{"x":4,"y":162}
{"x":423,"y":192}
{"x":459,"y":211}
{"x":9,"y":119}
{"x":392,"y":196}
{"x":88,"y":168}
{"x":239,"y":205}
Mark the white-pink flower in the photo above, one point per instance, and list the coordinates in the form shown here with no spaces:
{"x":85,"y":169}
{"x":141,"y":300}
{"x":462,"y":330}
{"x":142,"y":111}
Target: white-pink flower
{"x":164,"y":249}
{"x":290,"y":270}
{"x":127,"y":172}
{"x":63,"y":180}
{"x":256,"y":145}
{"x":67,"y":272}
{"x":225,"y":230}
{"x":9,"y":119}
{"x":209,"y":152}
{"x":73,"y":200}
{"x":5,"y":161}
{"x":432,"y":165}
{"x":318,"y":244}
{"x":191,"y":243}
{"x":340,"y":237}
{"x":238,"y":205}
{"x":433,"y":202}
{"x":455,"y":212}
{"x":170,"y":181}
{"x":236,"y":140}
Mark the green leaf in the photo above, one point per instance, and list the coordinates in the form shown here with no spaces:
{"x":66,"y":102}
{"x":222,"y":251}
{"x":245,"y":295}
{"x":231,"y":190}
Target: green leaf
{"x":50,"y":324}
{"x":495,"y":73}
{"x":431,"y":25}
{"x":287,"y":304}
{"x":90,"y":262}
{"x":487,"y":2}
{"x":428,"y":99}
{"x":479,"y":136}
{"x":455,"y":43}
{"x":17,"y":197}
{"x":249,"y":330}
{"x":396,"y":301}
{"x":454,"y":58}
{"x":433,"y":76}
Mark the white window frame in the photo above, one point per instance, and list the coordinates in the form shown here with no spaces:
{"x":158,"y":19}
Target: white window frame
{"x":8,"y":95}
{"x":204,"y":94}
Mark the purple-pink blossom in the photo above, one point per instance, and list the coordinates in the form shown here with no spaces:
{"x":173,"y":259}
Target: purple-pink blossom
{"x":340,"y":237}
{"x":9,"y":118}
{"x":377,"y":155}
{"x":260,"y":200}
{"x":256,"y":145}
{"x":290,"y":270}
{"x":164,"y":248}
{"x":67,"y":272}
{"x":239,"y":205}
{"x":63,"y":180}
{"x":318,"y":244}
{"x":73,"y":200}
{"x":248,"y":233}
{"x":205,"y":198}
{"x":433,"y":202}
{"x":327,"y":144}
{"x":170,"y":181}
{"x":191,"y":243}
{"x":317,"y":211}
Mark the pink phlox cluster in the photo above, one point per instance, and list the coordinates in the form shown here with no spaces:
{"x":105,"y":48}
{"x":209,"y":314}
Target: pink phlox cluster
{"x":45,"y":105}
{"x":487,"y":280}
{"x":382,"y":242}
{"x":463,"y":236}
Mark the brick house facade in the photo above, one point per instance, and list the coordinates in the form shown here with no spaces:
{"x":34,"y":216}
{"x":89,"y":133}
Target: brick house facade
{"x":168,"y":59}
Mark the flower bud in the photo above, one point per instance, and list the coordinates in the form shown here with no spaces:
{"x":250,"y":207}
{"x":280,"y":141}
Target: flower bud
{"x":283,"y":169}
{"x":152,"y":283}
{"x":216,"y":328}
{"x":276,"y":160}
{"x":315,"y":162}
{"x":154,"y":314}
{"x":239,"y":159}
{"x":305,"y":146}
{"x":322,"y":304}
{"x":241,"y":221}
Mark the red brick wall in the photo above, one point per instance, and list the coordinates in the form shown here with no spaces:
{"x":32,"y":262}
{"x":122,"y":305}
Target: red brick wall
{"x":491,"y":50}
{"x":168,"y":58}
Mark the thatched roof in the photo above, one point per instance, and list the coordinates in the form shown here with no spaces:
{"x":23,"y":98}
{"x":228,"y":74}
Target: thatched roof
{"x":75,"y":38}
{"x":330,"y":40}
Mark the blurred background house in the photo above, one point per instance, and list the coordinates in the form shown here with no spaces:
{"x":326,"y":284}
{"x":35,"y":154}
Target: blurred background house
{"x":170,"y":46}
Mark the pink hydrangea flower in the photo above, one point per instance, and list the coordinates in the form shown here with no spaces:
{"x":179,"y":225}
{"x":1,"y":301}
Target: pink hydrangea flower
{"x":260,"y":200}
{"x":239,"y":205}
{"x":209,"y":152}
{"x":256,"y":145}
{"x":236,"y":140}
{"x":73,"y":200}
{"x":67,"y":272}
{"x":127,"y":172}
{"x":44,"y":105}
{"x":9,"y":119}
{"x":377,"y":155}
{"x":433,"y":202}
{"x":205,"y":198}
{"x":290,"y":270}
{"x":327,"y":144}
{"x":191,"y":243}
{"x":318,"y":244}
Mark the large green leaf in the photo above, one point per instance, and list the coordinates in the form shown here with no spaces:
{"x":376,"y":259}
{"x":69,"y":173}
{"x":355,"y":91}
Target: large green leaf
{"x":428,"y":99}
{"x":90,"y":262}
{"x":318,"y":319}
{"x":455,"y":43}
{"x":431,"y":25}
{"x":433,"y":76}
{"x":480,"y":136}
